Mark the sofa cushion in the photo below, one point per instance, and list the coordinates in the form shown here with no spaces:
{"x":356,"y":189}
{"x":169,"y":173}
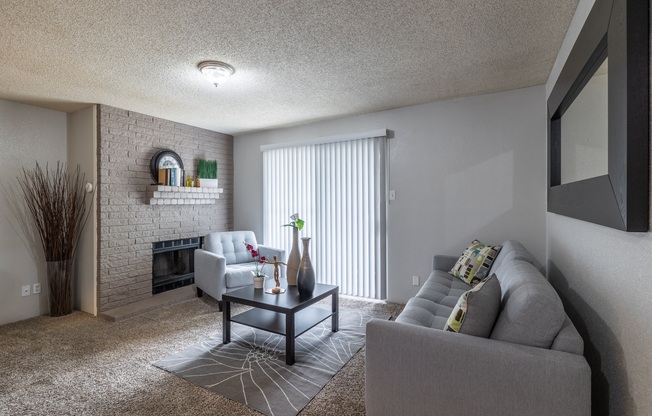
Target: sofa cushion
{"x":239,"y":274}
{"x":475,"y":262}
{"x":476,"y":310}
{"x":531,"y":311}
{"x":433,"y":304}
{"x":441,"y":287}
{"x":424,"y":312}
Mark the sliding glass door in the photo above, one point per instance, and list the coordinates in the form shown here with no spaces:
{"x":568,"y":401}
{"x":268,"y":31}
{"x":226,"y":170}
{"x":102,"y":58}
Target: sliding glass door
{"x":338,"y":188}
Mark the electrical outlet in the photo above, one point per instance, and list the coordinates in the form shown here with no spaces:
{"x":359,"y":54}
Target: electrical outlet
{"x":25,"y":291}
{"x":36,"y":288}
{"x":415,"y":280}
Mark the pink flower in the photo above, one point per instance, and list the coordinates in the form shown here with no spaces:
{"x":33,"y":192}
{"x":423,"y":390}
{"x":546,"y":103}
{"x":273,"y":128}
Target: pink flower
{"x":257,"y":259}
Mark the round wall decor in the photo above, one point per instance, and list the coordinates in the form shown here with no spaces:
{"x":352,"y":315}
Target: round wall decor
{"x":162,"y":159}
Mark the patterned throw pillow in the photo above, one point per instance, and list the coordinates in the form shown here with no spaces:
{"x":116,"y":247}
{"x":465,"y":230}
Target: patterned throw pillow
{"x":475,"y":262}
{"x":477,"y":309}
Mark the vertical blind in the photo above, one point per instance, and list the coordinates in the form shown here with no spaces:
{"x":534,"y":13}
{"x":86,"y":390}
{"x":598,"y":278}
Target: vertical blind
{"x":338,"y":188}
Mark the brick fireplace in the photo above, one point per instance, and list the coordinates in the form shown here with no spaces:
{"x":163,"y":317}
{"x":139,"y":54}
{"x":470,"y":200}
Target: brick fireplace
{"x":173,"y":263}
{"x":128,"y":225}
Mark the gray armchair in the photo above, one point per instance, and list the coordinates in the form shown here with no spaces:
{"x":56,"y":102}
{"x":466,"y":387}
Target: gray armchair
{"x":224,"y":264}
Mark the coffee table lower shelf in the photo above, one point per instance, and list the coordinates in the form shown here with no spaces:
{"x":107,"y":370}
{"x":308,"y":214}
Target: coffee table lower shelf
{"x":285,"y":314}
{"x":275,"y":322}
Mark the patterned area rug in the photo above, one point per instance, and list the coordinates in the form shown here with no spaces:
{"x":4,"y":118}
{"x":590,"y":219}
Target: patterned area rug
{"x":251,"y":369}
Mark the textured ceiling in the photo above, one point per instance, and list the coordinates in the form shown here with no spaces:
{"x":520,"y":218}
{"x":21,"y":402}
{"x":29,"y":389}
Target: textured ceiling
{"x":296,"y":61}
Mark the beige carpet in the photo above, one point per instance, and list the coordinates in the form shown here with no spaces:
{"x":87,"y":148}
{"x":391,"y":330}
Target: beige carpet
{"x":81,"y":365}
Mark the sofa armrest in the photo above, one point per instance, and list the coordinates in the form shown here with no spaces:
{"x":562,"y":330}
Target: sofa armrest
{"x":445,"y":263}
{"x":270,"y":252}
{"x":413,"y":370}
{"x":209,"y":273}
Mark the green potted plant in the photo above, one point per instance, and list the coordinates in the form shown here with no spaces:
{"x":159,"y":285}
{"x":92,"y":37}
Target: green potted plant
{"x":207,"y":172}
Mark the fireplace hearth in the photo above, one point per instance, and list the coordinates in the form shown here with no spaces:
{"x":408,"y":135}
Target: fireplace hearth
{"x":173,"y":264}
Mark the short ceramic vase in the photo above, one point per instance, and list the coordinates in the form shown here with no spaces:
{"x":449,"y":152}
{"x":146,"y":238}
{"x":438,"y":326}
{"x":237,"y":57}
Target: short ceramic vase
{"x":259,"y":282}
{"x":306,"y":275}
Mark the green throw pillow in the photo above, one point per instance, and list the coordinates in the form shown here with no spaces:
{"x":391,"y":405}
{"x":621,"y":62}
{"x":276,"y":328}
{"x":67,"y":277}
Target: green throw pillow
{"x":477,"y":309}
{"x":475,"y":262}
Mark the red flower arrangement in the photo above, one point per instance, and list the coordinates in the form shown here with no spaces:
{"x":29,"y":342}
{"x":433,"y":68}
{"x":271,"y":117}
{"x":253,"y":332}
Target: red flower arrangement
{"x":258,"y":259}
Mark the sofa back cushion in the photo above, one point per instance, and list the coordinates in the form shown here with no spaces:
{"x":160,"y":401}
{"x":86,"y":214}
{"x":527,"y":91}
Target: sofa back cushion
{"x":531,"y":311}
{"x":512,"y":250}
{"x":568,"y":339}
{"x":229,"y":244}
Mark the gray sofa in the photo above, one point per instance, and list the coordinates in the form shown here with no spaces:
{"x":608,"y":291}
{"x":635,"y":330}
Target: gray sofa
{"x":223,"y":263}
{"x":531,"y":364}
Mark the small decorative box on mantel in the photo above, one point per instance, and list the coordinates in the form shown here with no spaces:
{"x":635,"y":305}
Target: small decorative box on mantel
{"x":179,"y":195}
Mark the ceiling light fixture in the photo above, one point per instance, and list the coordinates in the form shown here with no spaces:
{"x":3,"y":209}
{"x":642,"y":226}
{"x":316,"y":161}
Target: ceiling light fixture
{"x":216,"y":72}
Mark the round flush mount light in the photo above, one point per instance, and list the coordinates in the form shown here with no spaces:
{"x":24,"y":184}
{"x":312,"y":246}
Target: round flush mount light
{"x":216,"y":72}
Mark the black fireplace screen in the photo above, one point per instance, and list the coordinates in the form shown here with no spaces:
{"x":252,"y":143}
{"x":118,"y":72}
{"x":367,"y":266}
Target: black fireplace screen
{"x":173,"y":264}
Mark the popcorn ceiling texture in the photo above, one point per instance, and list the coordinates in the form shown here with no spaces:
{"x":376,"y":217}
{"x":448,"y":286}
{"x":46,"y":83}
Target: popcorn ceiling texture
{"x":128,"y":224}
{"x":295,"y":61}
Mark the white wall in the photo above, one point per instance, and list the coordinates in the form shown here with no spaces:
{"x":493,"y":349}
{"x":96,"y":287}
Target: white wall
{"x":603,"y":276}
{"x":27,"y":134}
{"x":82,"y":151}
{"x":462,"y":169}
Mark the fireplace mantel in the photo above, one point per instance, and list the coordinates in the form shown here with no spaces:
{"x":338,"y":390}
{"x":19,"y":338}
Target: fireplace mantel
{"x":179,"y":195}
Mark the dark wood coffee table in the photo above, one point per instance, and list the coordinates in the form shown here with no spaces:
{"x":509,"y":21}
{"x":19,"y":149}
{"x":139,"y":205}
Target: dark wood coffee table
{"x":283,"y":314}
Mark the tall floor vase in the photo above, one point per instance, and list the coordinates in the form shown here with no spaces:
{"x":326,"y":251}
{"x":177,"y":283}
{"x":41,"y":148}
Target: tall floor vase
{"x":59,"y":274}
{"x":294,"y":259}
{"x":306,"y":275}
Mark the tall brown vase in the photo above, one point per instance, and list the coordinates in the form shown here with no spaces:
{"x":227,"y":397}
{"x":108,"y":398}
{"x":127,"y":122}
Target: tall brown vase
{"x":59,"y":275}
{"x":294,"y":259}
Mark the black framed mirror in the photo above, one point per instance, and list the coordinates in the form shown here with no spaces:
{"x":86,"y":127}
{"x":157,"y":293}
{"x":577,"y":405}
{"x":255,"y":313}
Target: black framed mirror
{"x":616,"y":31}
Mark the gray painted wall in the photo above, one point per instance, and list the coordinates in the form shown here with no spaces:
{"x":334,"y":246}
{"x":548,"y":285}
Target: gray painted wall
{"x":27,"y":134}
{"x":603,"y":277}
{"x":462,"y":169}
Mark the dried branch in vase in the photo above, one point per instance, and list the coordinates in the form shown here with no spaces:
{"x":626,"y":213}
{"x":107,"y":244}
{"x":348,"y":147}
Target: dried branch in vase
{"x":57,"y":203}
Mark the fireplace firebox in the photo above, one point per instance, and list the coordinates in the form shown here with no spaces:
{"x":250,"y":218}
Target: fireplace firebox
{"x":173,"y":264}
